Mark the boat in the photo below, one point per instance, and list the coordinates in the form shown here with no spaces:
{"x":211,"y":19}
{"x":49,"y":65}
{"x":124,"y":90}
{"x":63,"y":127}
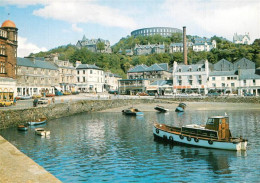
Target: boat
{"x":42,"y":132}
{"x":132,"y":111}
{"x":161,"y":108}
{"x":181,"y":107}
{"x":215,"y":134}
{"x":38,"y":121}
{"x":22,"y":127}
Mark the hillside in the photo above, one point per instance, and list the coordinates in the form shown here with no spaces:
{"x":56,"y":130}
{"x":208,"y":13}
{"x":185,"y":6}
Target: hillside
{"x":120,"y":64}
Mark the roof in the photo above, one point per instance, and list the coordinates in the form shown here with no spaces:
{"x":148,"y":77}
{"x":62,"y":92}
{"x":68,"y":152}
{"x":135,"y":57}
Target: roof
{"x":162,"y":82}
{"x":9,"y":23}
{"x":248,"y":74}
{"x":223,"y":73}
{"x":154,"y":67}
{"x":244,"y":63}
{"x":223,"y":65}
{"x":26,"y":62}
{"x":88,"y":66}
{"x":138,"y":68}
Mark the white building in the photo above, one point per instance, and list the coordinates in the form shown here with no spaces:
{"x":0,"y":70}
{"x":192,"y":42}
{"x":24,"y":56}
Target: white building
{"x":203,"y":44}
{"x":90,"y":78}
{"x":111,"y":81}
{"x":241,"y":39}
{"x":190,"y":78}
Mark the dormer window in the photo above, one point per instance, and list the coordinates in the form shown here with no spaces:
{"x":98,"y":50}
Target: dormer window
{"x":189,"y":69}
{"x":199,"y":69}
{"x":179,"y":70}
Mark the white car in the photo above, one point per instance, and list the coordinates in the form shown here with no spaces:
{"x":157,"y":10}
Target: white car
{"x":43,"y":101}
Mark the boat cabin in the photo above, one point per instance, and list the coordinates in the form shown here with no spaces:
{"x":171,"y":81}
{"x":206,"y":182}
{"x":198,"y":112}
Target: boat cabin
{"x":217,"y":127}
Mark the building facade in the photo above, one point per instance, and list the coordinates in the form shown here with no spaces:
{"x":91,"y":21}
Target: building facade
{"x":190,"y":78}
{"x":132,"y":86}
{"x":90,"y":78}
{"x":153,"y":73}
{"x":92,"y":45}
{"x":241,"y":39}
{"x":36,"y":76}
{"x":163,"y":31}
{"x":149,"y":49}
{"x":67,"y":73}
{"x":8,"y":54}
{"x":111,"y":81}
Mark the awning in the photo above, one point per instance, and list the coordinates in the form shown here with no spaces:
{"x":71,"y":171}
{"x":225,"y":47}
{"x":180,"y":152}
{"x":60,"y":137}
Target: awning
{"x":58,"y":88}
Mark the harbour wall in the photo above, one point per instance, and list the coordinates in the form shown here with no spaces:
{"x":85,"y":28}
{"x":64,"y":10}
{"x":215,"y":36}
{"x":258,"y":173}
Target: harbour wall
{"x":11,"y":118}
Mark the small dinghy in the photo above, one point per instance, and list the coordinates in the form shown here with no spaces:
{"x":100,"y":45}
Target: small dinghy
{"x":181,"y":107}
{"x":132,"y":111}
{"x":22,"y":128}
{"x":42,"y":132}
{"x":38,"y":121}
{"x":161,"y":108}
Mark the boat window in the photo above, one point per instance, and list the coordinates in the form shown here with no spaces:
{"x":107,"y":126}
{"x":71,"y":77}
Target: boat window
{"x":210,"y":121}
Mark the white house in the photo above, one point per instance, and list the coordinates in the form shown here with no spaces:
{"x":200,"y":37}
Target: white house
{"x":241,"y":39}
{"x":90,"y":78}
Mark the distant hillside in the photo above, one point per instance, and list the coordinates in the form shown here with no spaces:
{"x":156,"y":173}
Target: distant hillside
{"x":120,"y":64}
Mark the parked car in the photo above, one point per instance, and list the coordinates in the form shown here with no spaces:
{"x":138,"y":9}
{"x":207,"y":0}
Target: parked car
{"x":43,"y":101}
{"x":142,"y":94}
{"x":248,"y":94}
{"x":113,"y":92}
{"x":5,"y":103}
{"x":215,"y":94}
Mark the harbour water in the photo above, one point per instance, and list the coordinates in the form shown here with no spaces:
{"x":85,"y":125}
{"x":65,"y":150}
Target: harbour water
{"x":111,"y":147}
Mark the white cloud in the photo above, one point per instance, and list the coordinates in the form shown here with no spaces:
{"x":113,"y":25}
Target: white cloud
{"x":25,"y":47}
{"x":222,"y":18}
{"x":85,"y":12}
{"x":76,"y":28}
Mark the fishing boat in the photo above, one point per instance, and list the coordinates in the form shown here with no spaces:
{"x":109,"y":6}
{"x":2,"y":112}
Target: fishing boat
{"x":181,"y":107}
{"x":42,"y":132}
{"x":38,"y":121}
{"x":22,"y":127}
{"x":161,"y":108}
{"x":132,"y":111}
{"x":215,"y":134}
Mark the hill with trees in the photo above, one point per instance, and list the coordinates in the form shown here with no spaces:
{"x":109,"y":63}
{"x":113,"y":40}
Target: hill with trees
{"x":120,"y":63}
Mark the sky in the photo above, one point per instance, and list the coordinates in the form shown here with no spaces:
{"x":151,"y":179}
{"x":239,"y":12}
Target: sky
{"x":46,"y":24}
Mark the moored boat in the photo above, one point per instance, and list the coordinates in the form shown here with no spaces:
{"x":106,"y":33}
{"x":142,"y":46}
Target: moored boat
{"x":42,"y":132}
{"x":38,"y":121}
{"x":22,"y":128}
{"x":181,"y":107}
{"x":215,"y":134}
{"x":132,"y":111}
{"x":161,"y":108}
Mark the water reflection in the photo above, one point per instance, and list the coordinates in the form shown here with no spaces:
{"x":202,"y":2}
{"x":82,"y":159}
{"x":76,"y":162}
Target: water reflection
{"x":96,"y":147}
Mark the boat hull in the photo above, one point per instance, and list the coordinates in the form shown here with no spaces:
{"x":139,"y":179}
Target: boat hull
{"x":42,"y":132}
{"x":161,"y":109}
{"x":24,"y":128}
{"x":182,"y":139}
{"x":179,"y":109}
{"x":37,"y":122}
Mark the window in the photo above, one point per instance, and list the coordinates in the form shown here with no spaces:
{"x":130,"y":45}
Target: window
{"x":199,"y":69}
{"x":190,"y":82}
{"x":78,"y":79}
{"x":180,"y":83}
{"x":213,"y":84}
{"x":244,"y":82}
{"x":91,"y":71}
{"x":179,"y":70}
{"x":83,"y":71}
{"x":232,"y":84}
{"x":78,"y":72}
{"x":200,"y":82}
{"x":223,"y":84}
{"x":253,"y":81}
{"x":213,"y":78}
{"x":83,"y":79}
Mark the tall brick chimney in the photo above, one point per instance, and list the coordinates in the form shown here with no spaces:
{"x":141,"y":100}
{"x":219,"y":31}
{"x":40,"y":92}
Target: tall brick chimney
{"x":184,"y":47}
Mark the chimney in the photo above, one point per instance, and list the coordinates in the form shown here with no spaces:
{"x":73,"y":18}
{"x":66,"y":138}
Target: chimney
{"x":184,"y":46}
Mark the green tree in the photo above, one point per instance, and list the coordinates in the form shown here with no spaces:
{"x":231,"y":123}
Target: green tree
{"x":100,"y":46}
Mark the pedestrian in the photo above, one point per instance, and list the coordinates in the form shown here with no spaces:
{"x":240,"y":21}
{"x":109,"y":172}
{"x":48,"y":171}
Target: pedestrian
{"x":35,"y":102}
{"x":14,"y":101}
{"x":53,"y":100}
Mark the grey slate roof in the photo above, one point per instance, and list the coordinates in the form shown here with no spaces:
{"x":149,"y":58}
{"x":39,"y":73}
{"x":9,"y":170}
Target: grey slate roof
{"x":155,"y":67}
{"x":139,"y":68}
{"x":223,"y":65}
{"x":248,"y":74}
{"x":162,"y":82}
{"x":223,"y":73}
{"x":88,"y":66}
{"x":26,"y":62}
{"x":244,"y":63}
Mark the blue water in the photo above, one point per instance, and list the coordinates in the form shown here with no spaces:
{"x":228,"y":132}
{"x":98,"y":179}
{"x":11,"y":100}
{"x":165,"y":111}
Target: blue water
{"x":111,"y":147}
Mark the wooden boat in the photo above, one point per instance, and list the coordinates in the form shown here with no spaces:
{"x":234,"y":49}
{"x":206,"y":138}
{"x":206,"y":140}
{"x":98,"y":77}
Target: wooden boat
{"x":22,"y":128}
{"x":181,"y":107}
{"x":132,"y":111}
{"x":38,"y":121}
{"x":215,"y":134}
{"x":42,"y":132}
{"x":161,"y":108}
